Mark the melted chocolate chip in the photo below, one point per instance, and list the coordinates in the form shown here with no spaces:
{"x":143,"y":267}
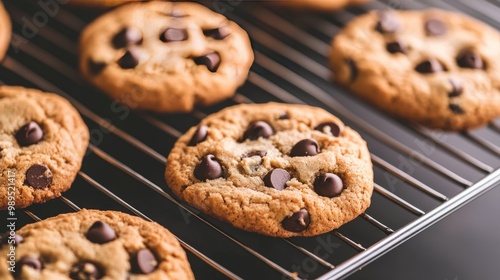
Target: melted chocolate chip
{"x":218,"y":33}
{"x":32,"y":262}
{"x":387,"y":23}
{"x":211,"y":61}
{"x":329,"y":185}
{"x":101,"y":233}
{"x":174,"y":35}
{"x":258,"y":129}
{"x":256,"y":153}
{"x":353,"y":67}
{"x":143,"y":262}
{"x":208,"y":168}
{"x":435,"y":27}
{"x":305,"y":148}
{"x":429,"y":66}
{"x":86,"y":271}
{"x":329,"y":128}
{"x":455,"y":108}
{"x":38,"y":176}
{"x":199,"y":135}
{"x":130,"y":59}
{"x":95,"y":67}
{"x":284,"y":116}
{"x":470,"y":59}
{"x":456,"y":88}
{"x":127,"y":36}
{"x":396,"y":47}
{"x":298,"y":222}
{"x":277,"y":179}
{"x":29,"y":134}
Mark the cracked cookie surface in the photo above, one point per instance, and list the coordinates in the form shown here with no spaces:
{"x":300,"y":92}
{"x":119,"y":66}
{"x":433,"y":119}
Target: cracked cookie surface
{"x":164,"y":56}
{"x":42,"y":140}
{"x":92,"y":244}
{"x":276,"y":169}
{"x":432,"y":67}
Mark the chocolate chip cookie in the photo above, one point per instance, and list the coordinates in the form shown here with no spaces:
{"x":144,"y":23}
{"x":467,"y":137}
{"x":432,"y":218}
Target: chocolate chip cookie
{"x":276,"y":169}
{"x":5,"y":30}
{"x":436,"y":68}
{"x":319,"y":4}
{"x":92,"y":244}
{"x":164,"y":56}
{"x":42,"y":143}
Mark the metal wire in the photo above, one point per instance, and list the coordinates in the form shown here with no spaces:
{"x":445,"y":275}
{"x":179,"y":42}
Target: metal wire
{"x":483,"y":142}
{"x":262,"y":37}
{"x":154,"y":187}
{"x":398,"y":200}
{"x":116,"y":198}
{"x":347,"y":240}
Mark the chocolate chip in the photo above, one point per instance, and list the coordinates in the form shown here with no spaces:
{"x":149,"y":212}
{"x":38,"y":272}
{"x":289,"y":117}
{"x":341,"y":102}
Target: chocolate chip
{"x":298,"y":222}
{"x":208,"y":168}
{"x":258,"y":129}
{"x":455,"y":108}
{"x":95,"y":67}
{"x":218,"y":33}
{"x":435,"y":27}
{"x":32,"y":262}
{"x":353,"y":67}
{"x":256,"y":153}
{"x":38,"y":176}
{"x":29,"y":134}
{"x":387,"y":23}
{"x":101,"y":233}
{"x":284,"y":116}
{"x":329,"y":128}
{"x":396,"y":47}
{"x":429,"y":66}
{"x":12,"y":240}
{"x":456,"y":88}
{"x":305,"y":148}
{"x":470,"y":59}
{"x":174,"y":35}
{"x":127,"y":36}
{"x":143,"y":262}
{"x":329,"y":185}
{"x":130,"y":59}
{"x":86,"y":271}
{"x":277,"y":179}
{"x":199,"y":135}
{"x":211,"y":61}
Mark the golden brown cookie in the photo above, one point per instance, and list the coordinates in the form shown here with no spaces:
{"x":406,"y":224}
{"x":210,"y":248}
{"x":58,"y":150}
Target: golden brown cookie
{"x":42,"y":143}
{"x":5,"y":31}
{"x":92,"y":244}
{"x":165,"y":57}
{"x":276,"y":169}
{"x":436,"y":68}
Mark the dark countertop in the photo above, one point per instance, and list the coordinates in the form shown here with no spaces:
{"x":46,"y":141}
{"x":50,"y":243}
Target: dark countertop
{"x":464,"y":245}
